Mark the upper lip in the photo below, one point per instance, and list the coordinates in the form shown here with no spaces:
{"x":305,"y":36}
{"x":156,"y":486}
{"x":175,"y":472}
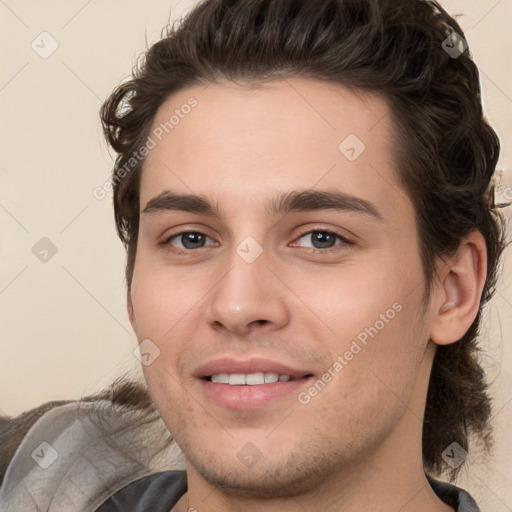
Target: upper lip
{"x":247,"y":366}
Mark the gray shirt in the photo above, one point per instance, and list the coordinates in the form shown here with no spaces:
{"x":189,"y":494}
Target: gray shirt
{"x":161,"y":491}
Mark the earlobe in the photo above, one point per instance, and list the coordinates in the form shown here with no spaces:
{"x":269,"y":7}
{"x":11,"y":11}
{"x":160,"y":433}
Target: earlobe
{"x":457,"y":298}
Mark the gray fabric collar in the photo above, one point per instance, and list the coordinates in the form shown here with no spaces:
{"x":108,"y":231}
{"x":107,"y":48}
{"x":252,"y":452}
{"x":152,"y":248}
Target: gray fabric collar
{"x":68,"y":460}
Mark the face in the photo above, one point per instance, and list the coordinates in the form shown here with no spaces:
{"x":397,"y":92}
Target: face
{"x":283,"y":297}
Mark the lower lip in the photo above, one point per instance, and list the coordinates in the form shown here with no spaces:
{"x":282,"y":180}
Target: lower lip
{"x":246,"y":397}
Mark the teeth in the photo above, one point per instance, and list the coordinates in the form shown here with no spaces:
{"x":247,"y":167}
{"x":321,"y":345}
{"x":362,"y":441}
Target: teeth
{"x":221,"y":378}
{"x":251,"y":379}
{"x":255,"y":378}
{"x":271,"y":377}
{"x":236,"y":379}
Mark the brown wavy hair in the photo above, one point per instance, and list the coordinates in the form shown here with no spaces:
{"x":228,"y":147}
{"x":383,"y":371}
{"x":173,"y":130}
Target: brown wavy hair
{"x":446,"y":151}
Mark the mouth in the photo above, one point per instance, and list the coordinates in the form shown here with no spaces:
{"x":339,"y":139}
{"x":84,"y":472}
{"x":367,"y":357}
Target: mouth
{"x":250,"y":384}
{"x":252,"y":379}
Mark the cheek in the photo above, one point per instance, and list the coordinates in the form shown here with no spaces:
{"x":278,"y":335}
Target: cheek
{"x":163,"y":304}
{"x":371,"y":320}
{"x":162,"y":298}
{"x":357,"y":299}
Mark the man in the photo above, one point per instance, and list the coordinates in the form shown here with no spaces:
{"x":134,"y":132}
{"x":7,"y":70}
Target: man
{"x":304,"y":189}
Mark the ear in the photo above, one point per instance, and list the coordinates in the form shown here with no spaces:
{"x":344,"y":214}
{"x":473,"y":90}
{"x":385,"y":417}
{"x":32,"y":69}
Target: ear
{"x":129,"y":308}
{"x":456,"y":298}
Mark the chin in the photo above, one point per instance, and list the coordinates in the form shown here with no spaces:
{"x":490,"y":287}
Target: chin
{"x":300,"y":474}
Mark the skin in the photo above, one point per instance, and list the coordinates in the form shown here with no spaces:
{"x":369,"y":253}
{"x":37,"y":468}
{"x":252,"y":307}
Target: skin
{"x":357,"y":444}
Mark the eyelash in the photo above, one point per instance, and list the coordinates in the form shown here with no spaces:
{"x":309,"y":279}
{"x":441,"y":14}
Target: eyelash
{"x":345,"y":241}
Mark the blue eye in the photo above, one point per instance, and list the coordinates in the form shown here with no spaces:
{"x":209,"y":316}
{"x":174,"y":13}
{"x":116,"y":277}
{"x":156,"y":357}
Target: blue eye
{"x":317,"y":240}
{"x":188,"y":240}
{"x":323,"y":239}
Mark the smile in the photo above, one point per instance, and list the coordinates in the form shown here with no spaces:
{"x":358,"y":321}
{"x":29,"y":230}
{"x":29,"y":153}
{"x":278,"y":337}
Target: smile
{"x":250,"y":379}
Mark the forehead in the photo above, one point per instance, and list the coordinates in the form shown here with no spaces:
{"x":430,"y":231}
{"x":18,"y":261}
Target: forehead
{"x":243,"y":143}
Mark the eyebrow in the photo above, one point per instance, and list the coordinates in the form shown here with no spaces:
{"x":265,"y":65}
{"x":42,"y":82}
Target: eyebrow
{"x":283,"y":203}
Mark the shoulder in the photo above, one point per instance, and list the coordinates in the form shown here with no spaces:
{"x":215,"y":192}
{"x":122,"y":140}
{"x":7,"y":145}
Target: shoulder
{"x":454,"y":496}
{"x":13,"y":430}
{"x":76,"y":455}
{"x":158,"y":492}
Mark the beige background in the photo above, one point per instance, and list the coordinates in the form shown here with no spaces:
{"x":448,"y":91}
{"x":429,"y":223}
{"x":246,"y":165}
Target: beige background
{"x":64,"y":329}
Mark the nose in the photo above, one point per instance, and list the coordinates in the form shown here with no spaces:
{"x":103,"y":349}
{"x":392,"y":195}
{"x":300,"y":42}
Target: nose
{"x":249,"y":296}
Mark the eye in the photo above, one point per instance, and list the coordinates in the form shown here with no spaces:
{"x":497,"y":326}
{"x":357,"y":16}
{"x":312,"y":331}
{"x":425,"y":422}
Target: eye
{"x":323,"y":239}
{"x":319,"y":240}
{"x":187,"y":240}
